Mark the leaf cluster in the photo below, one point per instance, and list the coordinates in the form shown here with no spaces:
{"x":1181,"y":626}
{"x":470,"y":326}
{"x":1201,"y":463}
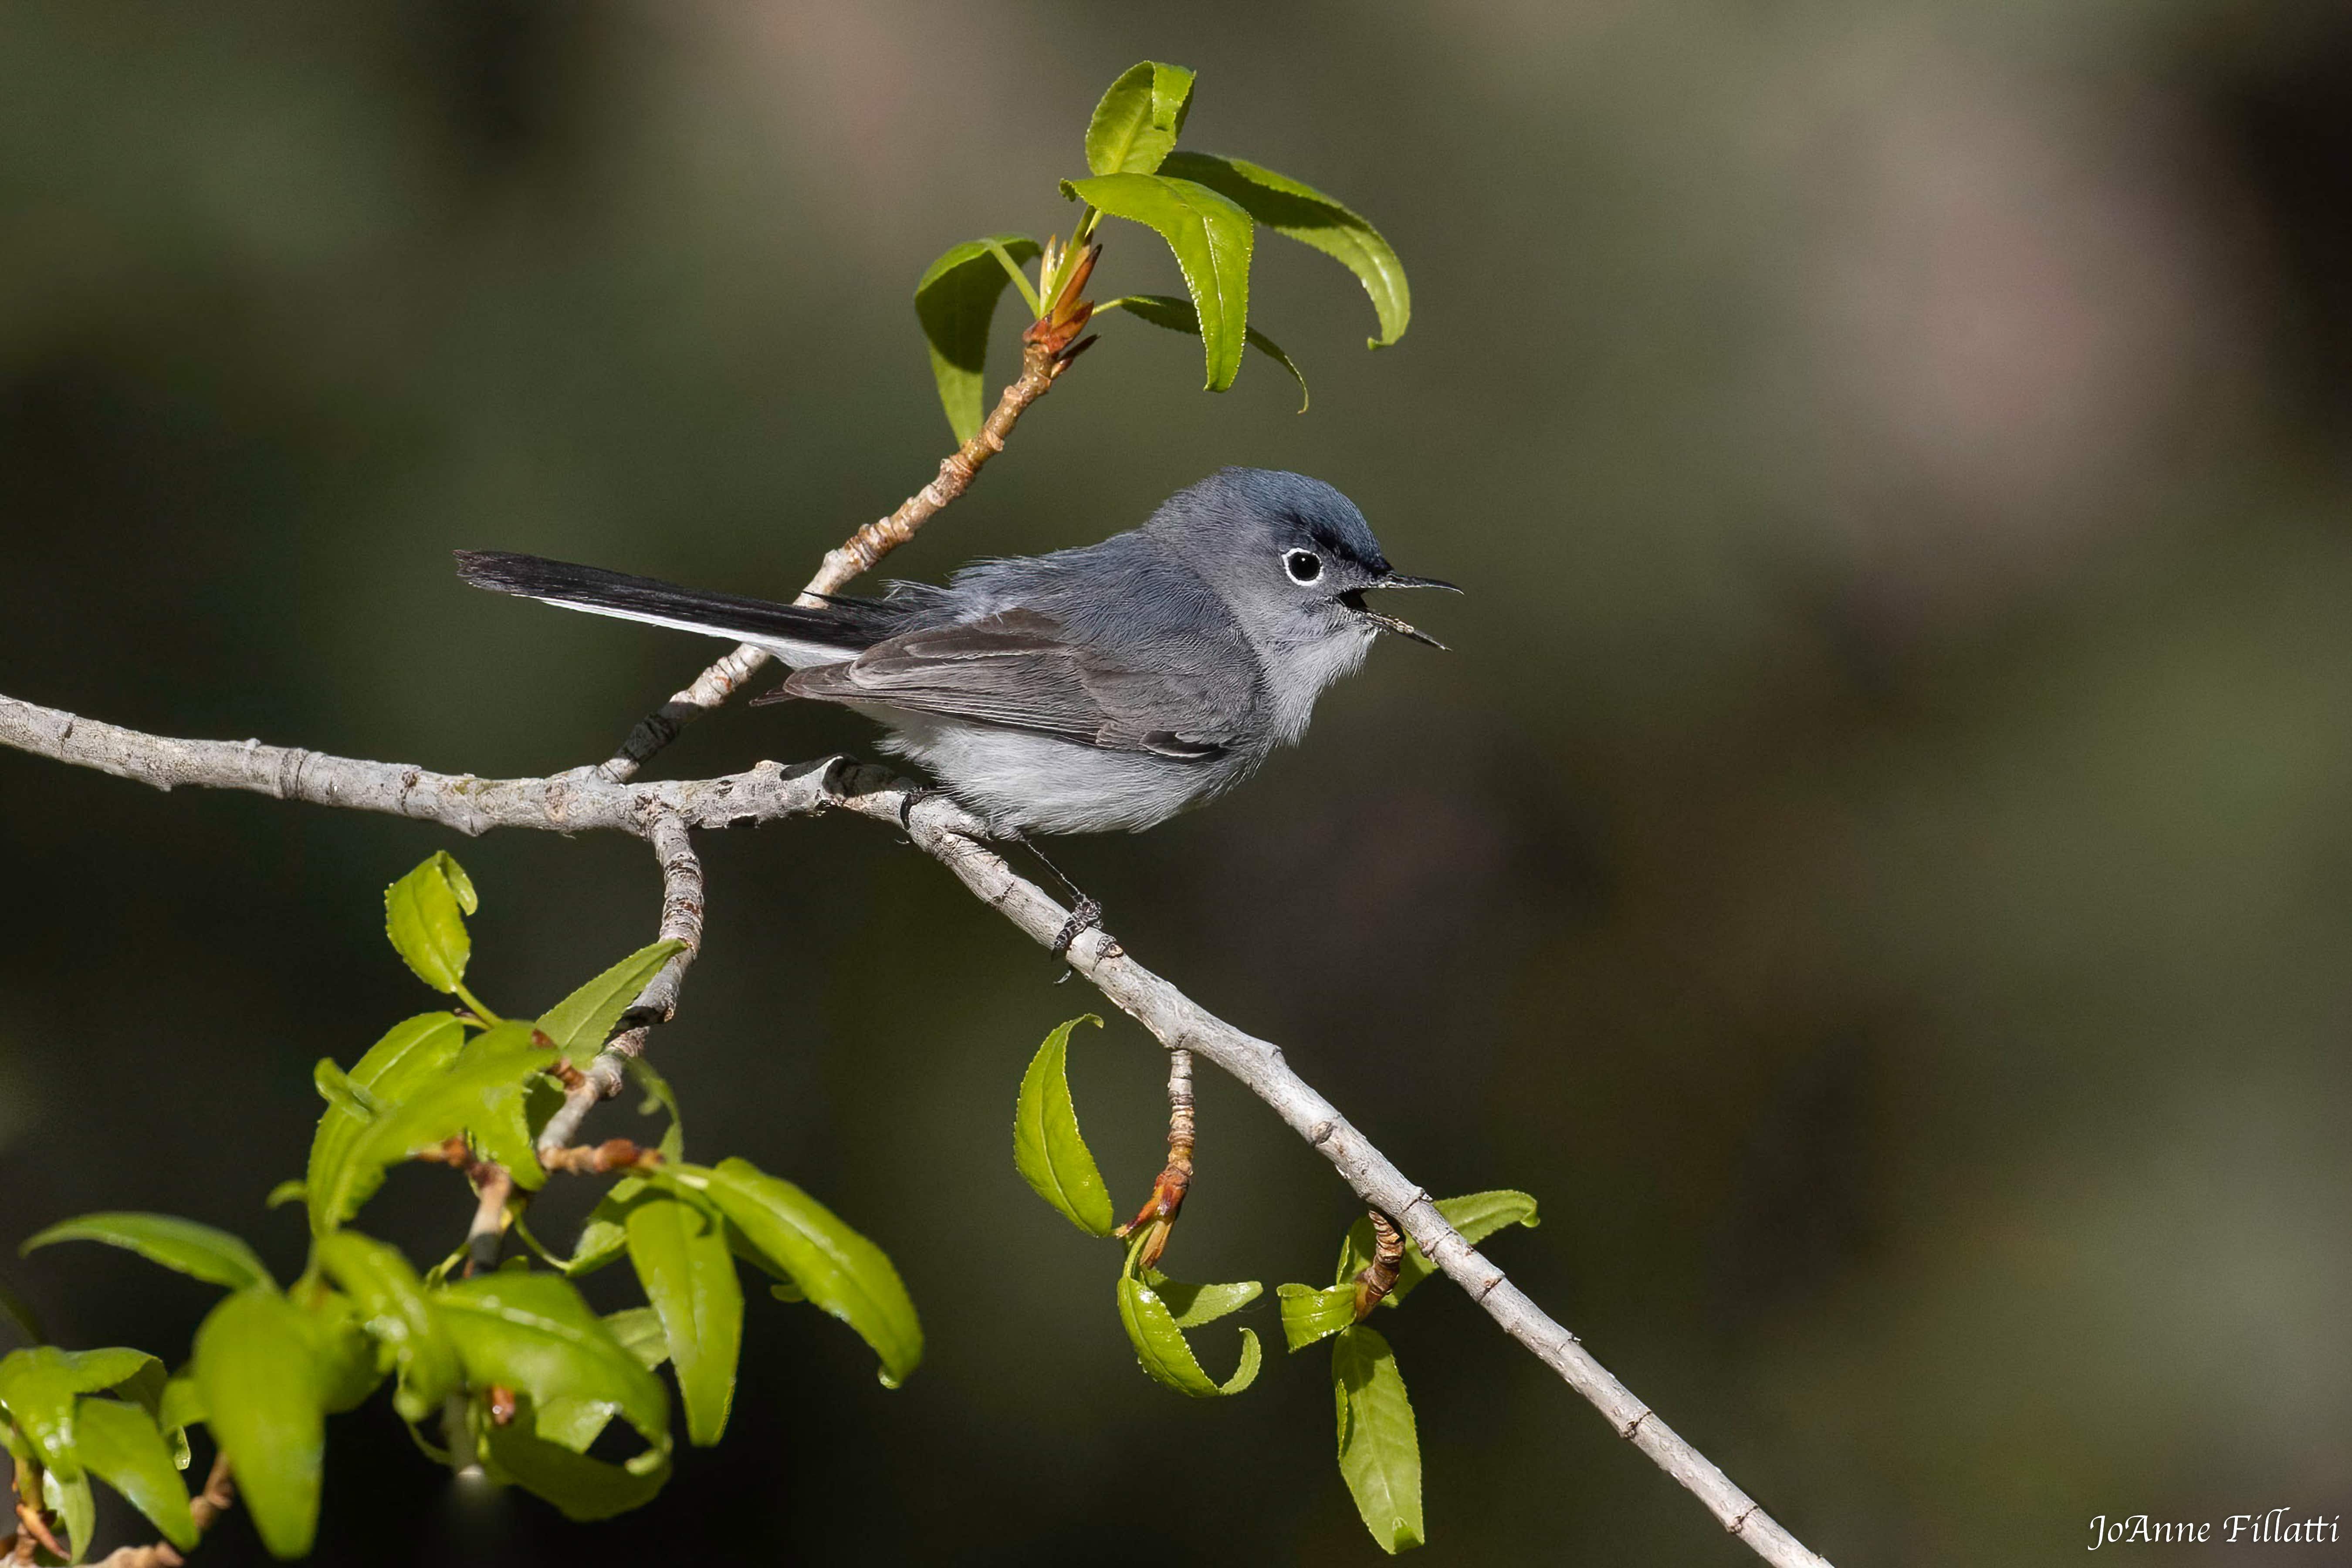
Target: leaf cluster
{"x":1205,"y":208}
{"x":510,"y":1370}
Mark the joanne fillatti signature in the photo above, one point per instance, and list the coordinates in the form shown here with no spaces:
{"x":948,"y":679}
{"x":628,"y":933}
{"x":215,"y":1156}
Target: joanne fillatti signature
{"x":2276,"y":1528}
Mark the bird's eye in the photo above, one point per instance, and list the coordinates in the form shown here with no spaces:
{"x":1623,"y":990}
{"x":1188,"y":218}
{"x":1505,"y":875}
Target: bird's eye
{"x":1304,"y":565}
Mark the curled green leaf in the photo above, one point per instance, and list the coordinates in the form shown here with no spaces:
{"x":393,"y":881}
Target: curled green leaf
{"x":412,"y":1053}
{"x":202,"y":1252}
{"x":424,"y":915}
{"x":1139,"y":119}
{"x":393,"y":1308}
{"x":1380,"y":1452}
{"x":40,"y":1388}
{"x":582,"y":1489}
{"x":1300,"y":212}
{"x":1210,"y":237}
{"x":1178,"y":316}
{"x":579,"y":1023}
{"x":1193,"y":1305}
{"x":121,"y":1445}
{"x":533,"y":1333}
{"x":1476,"y":1215}
{"x":1162,"y":1351}
{"x":70,"y":1499}
{"x":1048,"y":1149}
{"x":1309,"y":1314}
{"x":955,"y":301}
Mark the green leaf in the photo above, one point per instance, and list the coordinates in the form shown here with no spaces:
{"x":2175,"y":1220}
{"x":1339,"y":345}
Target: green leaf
{"x":1308,"y":1315}
{"x":1302,"y":213}
{"x":792,"y":1235}
{"x":1178,"y":316}
{"x":579,"y":1023}
{"x":1193,"y":1305}
{"x":1379,"y":1455}
{"x":293,"y":1189}
{"x":212,"y":1256}
{"x":1476,"y":1215}
{"x":425,"y":914}
{"x":122,"y":1447}
{"x":680,"y":1253}
{"x":1139,"y":119}
{"x":1210,"y":237}
{"x":261,"y":1386}
{"x":533,"y":1334}
{"x":393,"y":1309}
{"x":1048,"y":1149}
{"x":1161,"y":1347}
{"x":955,"y":301}
{"x":582,"y":1488}
{"x":414,"y":1052}
{"x":182,"y":1404}
{"x":660,"y":1096}
{"x":480,"y":1094}
{"x":351,"y":1363}
{"x":71,"y":1498}
{"x":38,"y":1387}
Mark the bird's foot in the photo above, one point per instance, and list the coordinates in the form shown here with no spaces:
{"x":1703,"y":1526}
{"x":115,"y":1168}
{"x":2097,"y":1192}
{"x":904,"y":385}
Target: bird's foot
{"x":1085,"y":915}
{"x":912,"y":798}
{"x":1158,"y":1215}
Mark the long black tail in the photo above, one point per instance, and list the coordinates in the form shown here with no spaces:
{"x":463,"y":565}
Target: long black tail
{"x":838,"y":630}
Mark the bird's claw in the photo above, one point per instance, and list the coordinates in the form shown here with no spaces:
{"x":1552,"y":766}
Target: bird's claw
{"x":1085,"y":915}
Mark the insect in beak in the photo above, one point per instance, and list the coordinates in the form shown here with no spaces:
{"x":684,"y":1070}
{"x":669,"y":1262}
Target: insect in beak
{"x":1354,"y":600}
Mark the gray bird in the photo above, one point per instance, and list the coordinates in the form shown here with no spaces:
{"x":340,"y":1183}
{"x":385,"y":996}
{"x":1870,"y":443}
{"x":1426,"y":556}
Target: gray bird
{"x":1109,"y":686}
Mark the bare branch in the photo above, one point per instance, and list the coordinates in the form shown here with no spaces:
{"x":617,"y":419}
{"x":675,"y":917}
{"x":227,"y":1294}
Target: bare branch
{"x":682,"y":903}
{"x":952,"y":836}
{"x":1047,"y":349}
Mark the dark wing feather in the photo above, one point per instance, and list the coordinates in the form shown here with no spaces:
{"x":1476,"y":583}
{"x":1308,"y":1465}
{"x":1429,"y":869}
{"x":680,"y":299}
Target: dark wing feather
{"x":1019,"y":670}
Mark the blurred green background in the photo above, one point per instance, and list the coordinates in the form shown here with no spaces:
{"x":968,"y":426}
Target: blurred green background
{"x":1879,"y":867}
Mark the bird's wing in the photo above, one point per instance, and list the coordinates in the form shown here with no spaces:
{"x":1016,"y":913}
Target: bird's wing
{"x":1021,"y":670}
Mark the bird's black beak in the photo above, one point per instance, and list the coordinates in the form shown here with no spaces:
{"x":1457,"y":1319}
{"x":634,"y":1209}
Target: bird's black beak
{"x":1355,"y":601}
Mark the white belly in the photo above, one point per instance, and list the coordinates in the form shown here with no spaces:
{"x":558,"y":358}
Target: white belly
{"x":1020,"y":781}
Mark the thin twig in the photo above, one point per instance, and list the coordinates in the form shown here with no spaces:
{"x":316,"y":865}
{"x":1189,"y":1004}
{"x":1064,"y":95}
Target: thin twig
{"x":952,"y":836}
{"x":682,"y":906}
{"x":1048,"y":347}
{"x":1175,"y":1179}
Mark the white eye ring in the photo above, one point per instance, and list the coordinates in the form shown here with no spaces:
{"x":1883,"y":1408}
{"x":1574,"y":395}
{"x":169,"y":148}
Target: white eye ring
{"x":1303,"y":565}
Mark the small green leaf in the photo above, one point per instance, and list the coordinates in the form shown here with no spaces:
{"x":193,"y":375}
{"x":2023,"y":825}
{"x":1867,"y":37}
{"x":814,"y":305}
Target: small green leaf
{"x":414,"y":1052}
{"x":212,"y":1256}
{"x":182,"y":1404}
{"x":792,"y":1235}
{"x":533,"y":1334}
{"x":264,"y":1405}
{"x":293,"y":1189}
{"x":394,"y":1310}
{"x":955,"y":302}
{"x":583,"y":1488}
{"x":1210,"y":237}
{"x":1161,"y":1347}
{"x":1308,"y":1315}
{"x":425,"y":914}
{"x":352,"y":1364}
{"x":1193,"y":1305}
{"x":335,"y":1087}
{"x":1476,"y":1215}
{"x":70,"y":1499}
{"x":660,"y":1096}
{"x":1139,"y":119}
{"x":1048,"y":1149}
{"x":1178,"y":316}
{"x":680,"y":1253}
{"x":579,"y":1023}
{"x":121,"y":1446}
{"x":38,"y":1387}
{"x":1302,"y":213}
{"x":1380,"y":1454}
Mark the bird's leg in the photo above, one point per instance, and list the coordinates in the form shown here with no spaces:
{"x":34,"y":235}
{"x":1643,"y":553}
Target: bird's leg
{"x":914,"y":796}
{"x":1086,"y":914}
{"x":1160,"y":1210}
